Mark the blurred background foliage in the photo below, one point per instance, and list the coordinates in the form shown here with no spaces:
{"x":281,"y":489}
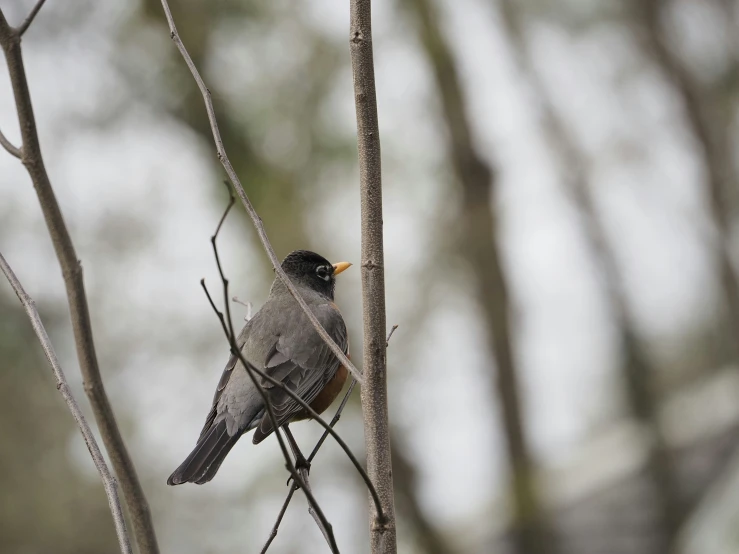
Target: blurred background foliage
{"x":560,"y":195}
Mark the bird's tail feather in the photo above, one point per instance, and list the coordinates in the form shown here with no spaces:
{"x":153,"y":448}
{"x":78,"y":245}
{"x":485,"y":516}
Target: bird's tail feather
{"x":207,"y":456}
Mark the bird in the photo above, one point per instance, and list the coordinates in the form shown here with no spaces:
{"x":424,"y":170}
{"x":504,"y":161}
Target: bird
{"x":281,"y":341}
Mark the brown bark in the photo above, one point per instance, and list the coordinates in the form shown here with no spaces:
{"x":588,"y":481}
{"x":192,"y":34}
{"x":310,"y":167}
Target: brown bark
{"x":72,"y":272}
{"x":374,"y":390}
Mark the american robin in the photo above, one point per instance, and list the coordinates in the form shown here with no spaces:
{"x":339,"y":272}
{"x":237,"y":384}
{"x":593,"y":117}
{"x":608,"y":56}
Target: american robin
{"x":280,"y":341}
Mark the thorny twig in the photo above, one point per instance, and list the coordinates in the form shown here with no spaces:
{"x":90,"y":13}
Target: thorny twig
{"x":256,"y":220}
{"x":109,"y":482}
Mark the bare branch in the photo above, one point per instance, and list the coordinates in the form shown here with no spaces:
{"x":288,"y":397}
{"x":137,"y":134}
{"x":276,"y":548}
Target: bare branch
{"x":12,"y":150}
{"x":32,"y":159}
{"x":303,"y":467}
{"x":27,"y":23}
{"x":109,"y":482}
{"x":259,"y":226}
{"x":276,"y":526}
{"x":316,"y":448}
{"x":374,"y":389}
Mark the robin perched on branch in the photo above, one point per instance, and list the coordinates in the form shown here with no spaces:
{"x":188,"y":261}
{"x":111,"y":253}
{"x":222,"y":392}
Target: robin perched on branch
{"x":280,"y":341}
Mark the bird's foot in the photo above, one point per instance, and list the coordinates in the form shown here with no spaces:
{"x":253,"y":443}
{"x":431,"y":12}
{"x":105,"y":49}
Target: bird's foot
{"x":300,"y":464}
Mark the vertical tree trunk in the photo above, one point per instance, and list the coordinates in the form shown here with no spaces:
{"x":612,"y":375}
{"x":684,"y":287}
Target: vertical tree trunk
{"x":637,"y":369}
{"x":480,"y":247}
{"x":712,"y":143}
{"x":374,"y":389}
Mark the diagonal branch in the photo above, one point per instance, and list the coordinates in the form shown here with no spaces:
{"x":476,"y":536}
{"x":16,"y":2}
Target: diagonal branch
{"x":276,"y":526}
{"x":320,"y":442}
{"x":27,"y":23}
{"x":259,"y":226}
{"x":31,"y":157}
{"x":9,"y":146}
{"x":109,"y":482}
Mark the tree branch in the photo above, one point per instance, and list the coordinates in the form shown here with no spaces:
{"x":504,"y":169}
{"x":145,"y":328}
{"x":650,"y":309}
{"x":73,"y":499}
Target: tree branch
{"x":32,"y":159}
{"x":256,"y":220}
{"x":316,"y":448}
{"x":11,"y":149}
{"x":109,"y":482}
{"x":374,"y":390}
{"x":27,"y":23}
{"x":276,"y":526}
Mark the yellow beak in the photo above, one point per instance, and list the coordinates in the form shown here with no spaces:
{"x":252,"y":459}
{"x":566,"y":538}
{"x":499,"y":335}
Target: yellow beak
{"x":341,"y":266}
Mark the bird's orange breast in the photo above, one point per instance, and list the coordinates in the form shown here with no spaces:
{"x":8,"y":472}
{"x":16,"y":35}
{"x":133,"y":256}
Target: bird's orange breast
{"x":327,"y":395}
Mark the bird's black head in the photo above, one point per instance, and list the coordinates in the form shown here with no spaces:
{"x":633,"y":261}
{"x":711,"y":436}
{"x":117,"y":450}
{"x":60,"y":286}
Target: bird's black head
{"x":314,"y":271}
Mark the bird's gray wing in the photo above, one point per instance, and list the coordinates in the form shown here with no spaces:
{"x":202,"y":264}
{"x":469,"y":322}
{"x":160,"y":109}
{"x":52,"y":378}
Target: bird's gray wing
{"x":225,"y":377}
{"x":304,"y":363}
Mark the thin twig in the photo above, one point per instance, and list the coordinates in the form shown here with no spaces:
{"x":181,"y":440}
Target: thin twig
{"x":133,"y":493}
{"x":303,"y":468}
{"x":337,"y":416}
{"x":276,"y":526}
{"x":334,"y":421}
{"x":317,"y":447}
{"x":374,"y":390}
{"x":27,"y":23}
{"x":247,"y":305}
{"x":228,"y":329}
{"x":9,"y":146}
{"x":259,"y":226}
{"x":109,"y":482}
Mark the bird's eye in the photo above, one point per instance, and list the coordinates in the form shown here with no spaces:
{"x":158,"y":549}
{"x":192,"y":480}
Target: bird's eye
{"x":323,"y":272}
